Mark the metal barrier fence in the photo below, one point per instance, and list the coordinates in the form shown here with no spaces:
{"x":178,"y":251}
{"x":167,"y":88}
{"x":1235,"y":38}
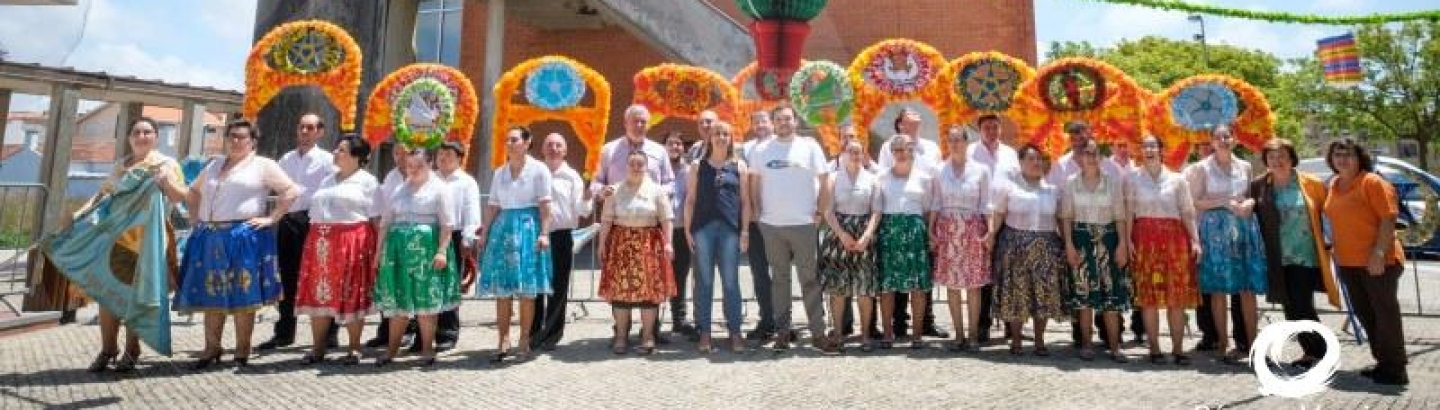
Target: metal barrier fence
{"x":20,"y":216}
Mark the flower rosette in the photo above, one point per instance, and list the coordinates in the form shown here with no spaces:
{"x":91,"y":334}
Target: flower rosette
{"x":981,"y":83}
{"x":307,"y":52}
{"x":821,"y":94}
{"x":553,"y":88}
{"x":1079,"y":89}
{"x":683,"y":91}
{"x":895,"y":70}
{"x":1183,"y":114}
{"x":750,"y":101}
{"x":438,"y":91}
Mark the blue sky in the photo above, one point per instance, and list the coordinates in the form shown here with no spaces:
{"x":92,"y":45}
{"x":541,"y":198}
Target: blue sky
{"x":205,"y":42}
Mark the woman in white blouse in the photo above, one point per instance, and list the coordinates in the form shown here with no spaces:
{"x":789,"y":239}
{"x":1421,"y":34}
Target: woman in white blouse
{"x":1164,"y":246}
{"x":958,"y":229}
{"x":337,"y":267}
{"x":417,"y":273}
{"x":1234,"y":258}
{"x":903,"y":241}
{"x":847,"y":265}
{"x":1029,"y":262}
{"x":636,"y":221}
{"x":229,"y":266}
{"x":516,"y":260}
{"x":1092,"y":221}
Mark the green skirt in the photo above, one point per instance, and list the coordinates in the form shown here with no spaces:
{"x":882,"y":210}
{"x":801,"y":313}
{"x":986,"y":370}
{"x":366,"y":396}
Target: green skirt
{"x":407,"y":283}
{"x":904,"y":254}
{"x":1099,"y":283}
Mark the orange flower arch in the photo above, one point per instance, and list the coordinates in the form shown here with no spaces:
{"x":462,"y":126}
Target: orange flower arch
{"x":747,"y":105}
{"x":1253,"y":125}
{"x":306,"y":52}
{"x":683,"y":91}
{"x":991,"y":80}
{"x":1083,"y":89}
{"x":459,"y":106}
{"x":590,"y":123}
{"x":896,"y":70}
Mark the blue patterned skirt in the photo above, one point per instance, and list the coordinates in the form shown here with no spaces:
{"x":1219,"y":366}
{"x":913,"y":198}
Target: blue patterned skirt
{"x":228,"y":267}
{"x":513,"y":265}
{"x":1232,"y":257}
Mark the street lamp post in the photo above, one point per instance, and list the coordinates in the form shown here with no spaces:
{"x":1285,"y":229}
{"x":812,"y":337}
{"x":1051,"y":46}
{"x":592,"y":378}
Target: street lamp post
{"x":1204,"y":50}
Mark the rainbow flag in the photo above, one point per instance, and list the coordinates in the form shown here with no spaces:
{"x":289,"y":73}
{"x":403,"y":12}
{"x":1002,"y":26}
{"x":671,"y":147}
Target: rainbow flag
{"x":1341,"y":59}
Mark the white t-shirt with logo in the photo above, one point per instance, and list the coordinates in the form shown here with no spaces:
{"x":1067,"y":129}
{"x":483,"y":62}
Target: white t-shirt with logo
{"x":788,"y":185}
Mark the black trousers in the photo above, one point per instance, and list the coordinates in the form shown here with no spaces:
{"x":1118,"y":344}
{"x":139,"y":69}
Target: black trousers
{"x":760,"y":273}
{"x":1206,"y":321}
{"x":680,"y":265}
{"x":1300,"y":286}
{"x":447,"y":323}
{"x":1378,"y":308}
{"x":1137,"y":325}
{"x":289,"y":247}
{"x":549,"y":325}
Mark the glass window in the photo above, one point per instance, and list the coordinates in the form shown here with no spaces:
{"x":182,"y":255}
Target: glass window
{"x":437,"y":32}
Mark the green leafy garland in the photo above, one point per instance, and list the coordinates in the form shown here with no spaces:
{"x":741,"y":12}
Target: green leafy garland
{"x":1279,"y":16}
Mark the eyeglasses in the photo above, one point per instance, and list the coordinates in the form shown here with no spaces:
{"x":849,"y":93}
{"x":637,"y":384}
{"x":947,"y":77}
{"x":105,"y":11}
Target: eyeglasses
{"x":309,"y":127}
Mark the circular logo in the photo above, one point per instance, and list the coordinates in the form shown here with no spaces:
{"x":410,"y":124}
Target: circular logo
{"x":987,"y":85}
{"x":899,"y":69}
{"x":821,"y":93}
{"x":1201,"y":106}
{"x":1072,"y":88}
{"x":554,"y":86}
{"x":1268,"y":348}
{"x":306,"y":51}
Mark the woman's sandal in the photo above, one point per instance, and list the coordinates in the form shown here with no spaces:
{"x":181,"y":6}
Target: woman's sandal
{"x":1042,"y":352}
{"x":383,"y":361}
{"x":127,"y":363}
{"x":737,"y":344}
{"x":1087,"y":355}
{"x":101,"y":362}
{"x":1182,"y":360}
{"x":1157,"y":358}
{"x":205,"y":362}
{"x":1118,"y":357}
{"x":312,"y":358}
{"x":350,"y":360}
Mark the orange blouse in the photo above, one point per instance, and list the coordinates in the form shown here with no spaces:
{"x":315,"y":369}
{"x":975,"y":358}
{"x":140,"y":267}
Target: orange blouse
{"x":1355,"y":214}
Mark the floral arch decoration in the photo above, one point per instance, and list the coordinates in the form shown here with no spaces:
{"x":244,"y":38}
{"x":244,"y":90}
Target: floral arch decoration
{"x":306,"y":52}
{"x":1184,"y":113}
{"x":1081,"y":89}
{"x":421,"y":106}
{"x":981,"y":83}
{"x":683,"y":91}
{"x":896,"y":70}
{"x":553,"y":88}
{"x":822,"y":95}
{"x":746,"y":104}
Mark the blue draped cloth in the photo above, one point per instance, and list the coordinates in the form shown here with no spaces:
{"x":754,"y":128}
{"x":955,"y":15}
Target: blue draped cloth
{"x":82,"y":253}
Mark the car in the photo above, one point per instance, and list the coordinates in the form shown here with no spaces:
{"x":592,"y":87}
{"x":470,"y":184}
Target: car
{"x":1414,"y":186}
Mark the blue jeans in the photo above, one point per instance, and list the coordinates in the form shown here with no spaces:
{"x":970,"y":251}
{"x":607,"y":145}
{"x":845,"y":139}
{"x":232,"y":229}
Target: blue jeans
{"x":717,"y":243}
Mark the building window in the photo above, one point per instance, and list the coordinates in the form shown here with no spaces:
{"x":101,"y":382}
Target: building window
{"x":437,"y":32}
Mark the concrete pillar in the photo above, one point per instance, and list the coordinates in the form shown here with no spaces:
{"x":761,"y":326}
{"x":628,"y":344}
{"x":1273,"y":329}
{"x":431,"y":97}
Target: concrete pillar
{"x":127,"y":113}
{"x":55,"y":164}
{"x":190,"y":134}
{"x":494,"y":56}
{"x":4,"y":112}
{"x":398,"y":50}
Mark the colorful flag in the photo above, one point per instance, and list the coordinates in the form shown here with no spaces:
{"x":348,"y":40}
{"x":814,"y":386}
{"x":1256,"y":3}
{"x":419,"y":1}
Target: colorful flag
{"x":1341,"y":59}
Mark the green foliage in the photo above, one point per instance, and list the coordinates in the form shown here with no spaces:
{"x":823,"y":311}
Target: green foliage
{"x":1280,"y":16}
{"x":781,"y":9}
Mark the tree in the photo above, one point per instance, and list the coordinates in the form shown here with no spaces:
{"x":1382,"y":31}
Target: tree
{"x":1156,"y":63}
{"x":1400,"y":94}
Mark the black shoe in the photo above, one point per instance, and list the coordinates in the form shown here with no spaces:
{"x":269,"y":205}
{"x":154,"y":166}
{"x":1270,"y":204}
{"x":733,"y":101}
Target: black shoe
{"x":936,"y":331}
{"x":685,"y":329}
{"x":983,"y":338}
{"x":276,"y":343}
{"x":1368,"y":373}
{"x":332,"y":342}
{"x":444,"y":345}
{"x":759,"y":334}
{"x":1207,"y":346}
{"x":1391,"y":379}
{"x":876,"y":334}
{"x":376,"y":342}
{"x":661,"y":339}
{"x":902,"y":332}
{"x":415,"y":347}
{"x":847,"y":331}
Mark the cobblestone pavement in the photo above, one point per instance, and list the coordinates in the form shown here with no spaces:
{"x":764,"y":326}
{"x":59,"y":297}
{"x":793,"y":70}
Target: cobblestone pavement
{"x":46,"y":369}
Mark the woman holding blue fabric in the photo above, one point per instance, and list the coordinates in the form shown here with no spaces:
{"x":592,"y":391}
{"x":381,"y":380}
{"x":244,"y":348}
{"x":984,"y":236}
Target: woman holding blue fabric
{"x":123,"y":257}
{"x":1232,"y":260}
{"x":516,"y":240}
{"x":229,"y":266}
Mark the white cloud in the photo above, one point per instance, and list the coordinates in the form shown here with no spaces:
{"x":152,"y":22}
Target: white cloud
{"x":41,"y":34}
{"x":231,"y":20}
{"x":130,"y":59}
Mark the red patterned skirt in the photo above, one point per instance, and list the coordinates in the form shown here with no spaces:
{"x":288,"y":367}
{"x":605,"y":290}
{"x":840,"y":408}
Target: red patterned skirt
{"x":960,"y":258}
{"x":1162,"y":268}
{"x":635,"y":269}
{"x":337,"y":271}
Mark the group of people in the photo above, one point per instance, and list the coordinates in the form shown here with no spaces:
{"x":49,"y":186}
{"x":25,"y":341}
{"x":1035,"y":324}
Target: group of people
{"x":1009,"y":234}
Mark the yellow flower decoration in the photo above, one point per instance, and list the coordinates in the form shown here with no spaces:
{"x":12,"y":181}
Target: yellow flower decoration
{"x":980,"y":83}
{"x":896,"y":70}
{"x":589,"y":123}
{"x":1082,"y":89}
{"x":307,"y":52}
{"x":683,"y":91}
{"x":457,"y":104}
{"x":1253,"y":126}
{"x":746,"y":105}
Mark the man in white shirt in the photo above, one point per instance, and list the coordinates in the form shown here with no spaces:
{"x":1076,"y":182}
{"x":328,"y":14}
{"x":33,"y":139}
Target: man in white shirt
{"x":789,"y":170}
{"x":307,"y":165}
{"x":569,"y":201}
{"x":466,"y":214}
{"x":680,"y":262}
{"x":1004,"y":167}
{"x":761,"y":130}
{"x":927,"y":152}
{"x":1068,"y":165}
